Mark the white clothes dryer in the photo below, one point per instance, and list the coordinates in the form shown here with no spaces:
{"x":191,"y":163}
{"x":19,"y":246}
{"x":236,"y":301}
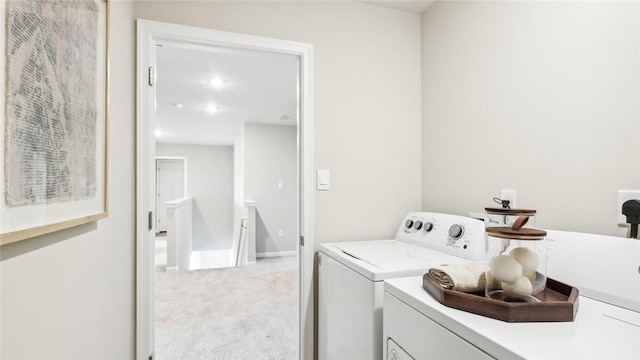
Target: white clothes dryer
{"x":605,"y":269}
{"x":351,"y":277}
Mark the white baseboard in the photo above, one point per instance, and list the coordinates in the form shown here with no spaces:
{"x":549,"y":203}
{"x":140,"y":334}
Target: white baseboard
{"x":275,"y":254}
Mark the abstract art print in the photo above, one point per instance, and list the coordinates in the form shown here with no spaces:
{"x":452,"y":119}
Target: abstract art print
{"x":55,"y":111}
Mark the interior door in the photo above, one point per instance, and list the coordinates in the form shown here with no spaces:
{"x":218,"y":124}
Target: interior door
{"x":170,"y":186}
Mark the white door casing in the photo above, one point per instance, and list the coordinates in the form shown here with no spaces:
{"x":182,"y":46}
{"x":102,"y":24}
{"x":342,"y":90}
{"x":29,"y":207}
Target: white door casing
{"x":145,"y":194}
{"x":148,"y":32}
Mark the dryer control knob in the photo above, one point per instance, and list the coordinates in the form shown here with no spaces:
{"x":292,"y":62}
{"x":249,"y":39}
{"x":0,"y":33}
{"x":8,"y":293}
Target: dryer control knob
{"x":456,"y":231}
{"x":427,"y":226}
{"x":408,"y":224}
{"x":417,"y":225}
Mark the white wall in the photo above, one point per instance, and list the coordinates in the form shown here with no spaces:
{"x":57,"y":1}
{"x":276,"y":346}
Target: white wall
{"x":366,"y":101}
{"x":541,"y":97}
{"x":70,"y":295}
{"x":210,"y":183}
{"x":366,"y":96}
{"x":270,"y":158}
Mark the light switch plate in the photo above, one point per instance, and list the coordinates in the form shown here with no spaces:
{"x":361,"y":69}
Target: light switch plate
{"x":323,"y":179}
{"x":624,"y":195}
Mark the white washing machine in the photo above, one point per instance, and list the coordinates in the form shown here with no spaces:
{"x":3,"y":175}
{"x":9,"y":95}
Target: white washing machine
{"x":606,"y":270}
{"x":351,"y":276}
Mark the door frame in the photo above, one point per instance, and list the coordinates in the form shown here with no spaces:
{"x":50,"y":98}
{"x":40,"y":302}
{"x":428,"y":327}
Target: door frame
{"x":148,"y":32}
{"x":181,"y":159}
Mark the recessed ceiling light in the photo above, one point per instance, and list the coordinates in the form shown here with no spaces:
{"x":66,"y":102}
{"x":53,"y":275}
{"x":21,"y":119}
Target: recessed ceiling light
{"x":157,"y":132}
{"x":211,"y":108}
{"x":217,"y":82}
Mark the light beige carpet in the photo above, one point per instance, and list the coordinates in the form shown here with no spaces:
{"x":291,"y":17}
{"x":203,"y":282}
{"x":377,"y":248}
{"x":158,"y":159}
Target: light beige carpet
{"x":243,"y":313}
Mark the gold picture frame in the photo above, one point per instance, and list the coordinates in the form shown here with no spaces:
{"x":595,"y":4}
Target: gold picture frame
{"x":54,"y":87}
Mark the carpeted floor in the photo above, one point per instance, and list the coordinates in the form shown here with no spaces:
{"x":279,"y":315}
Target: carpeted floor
{"x":243,"y":313}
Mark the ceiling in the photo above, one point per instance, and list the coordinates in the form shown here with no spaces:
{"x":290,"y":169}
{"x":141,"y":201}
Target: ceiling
{"x":256,"y":87}
{"x":417,"y":7}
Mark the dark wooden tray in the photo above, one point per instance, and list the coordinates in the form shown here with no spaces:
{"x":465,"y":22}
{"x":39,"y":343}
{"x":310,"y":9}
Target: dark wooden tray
{"x":561,"y":303}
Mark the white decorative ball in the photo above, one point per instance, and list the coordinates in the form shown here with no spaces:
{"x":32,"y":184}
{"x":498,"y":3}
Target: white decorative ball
{"x":505,"y":268}
{"x":527,"y":258}
{"x":521,"y":288}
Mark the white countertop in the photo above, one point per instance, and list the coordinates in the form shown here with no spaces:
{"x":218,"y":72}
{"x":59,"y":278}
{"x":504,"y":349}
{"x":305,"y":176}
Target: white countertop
{"x":599,"y":331}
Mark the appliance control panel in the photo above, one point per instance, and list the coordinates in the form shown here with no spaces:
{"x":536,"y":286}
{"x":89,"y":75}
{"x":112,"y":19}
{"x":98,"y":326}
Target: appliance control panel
{"x":450,"y":234}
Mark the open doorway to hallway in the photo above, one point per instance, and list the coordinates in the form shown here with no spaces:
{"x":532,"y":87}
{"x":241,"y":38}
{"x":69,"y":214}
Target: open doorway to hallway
{"x":231,"y":114}
{"x":150,"y":35}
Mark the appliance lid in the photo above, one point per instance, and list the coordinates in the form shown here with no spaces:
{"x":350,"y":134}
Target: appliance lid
{"x":395,"y":255}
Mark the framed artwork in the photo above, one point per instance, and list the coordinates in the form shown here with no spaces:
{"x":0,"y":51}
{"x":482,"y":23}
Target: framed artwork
{"x":53,"y":134}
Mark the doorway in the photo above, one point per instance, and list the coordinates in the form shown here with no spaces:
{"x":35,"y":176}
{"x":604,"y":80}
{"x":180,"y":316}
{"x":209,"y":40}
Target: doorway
{"x":171,"y":184}
{"x":149,"y":33}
